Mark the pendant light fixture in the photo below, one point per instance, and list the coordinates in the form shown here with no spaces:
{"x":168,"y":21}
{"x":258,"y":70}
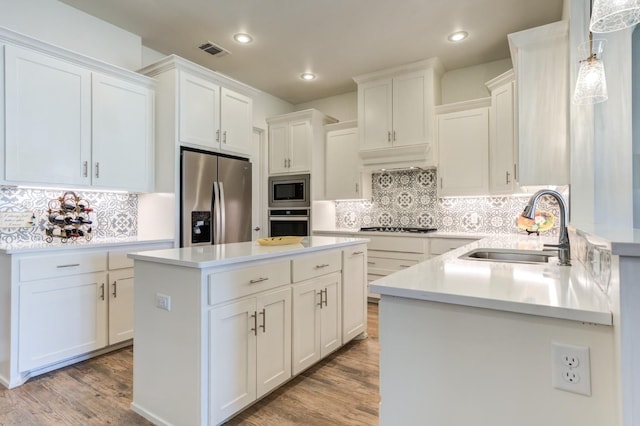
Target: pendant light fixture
{"x":591,"y":87}
{"x":614,"y":15}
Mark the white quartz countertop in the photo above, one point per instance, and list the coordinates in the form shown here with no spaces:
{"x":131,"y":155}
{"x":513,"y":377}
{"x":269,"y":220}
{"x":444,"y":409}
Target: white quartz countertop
{"x":434,"y":234}
{"x":225,"y":254}
{"x":80,"y":243}
{"x":537,"y":289}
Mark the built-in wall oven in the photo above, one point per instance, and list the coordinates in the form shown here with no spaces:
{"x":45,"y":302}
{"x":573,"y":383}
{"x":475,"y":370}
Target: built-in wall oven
{"x":289,"y":205}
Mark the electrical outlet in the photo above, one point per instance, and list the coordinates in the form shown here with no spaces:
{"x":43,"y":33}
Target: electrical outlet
{"x":163,"y":301}
{"x":570,"y":368}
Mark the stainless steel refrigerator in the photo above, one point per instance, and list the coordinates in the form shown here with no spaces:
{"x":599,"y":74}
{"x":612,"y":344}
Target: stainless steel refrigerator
{"x":215,"y":198}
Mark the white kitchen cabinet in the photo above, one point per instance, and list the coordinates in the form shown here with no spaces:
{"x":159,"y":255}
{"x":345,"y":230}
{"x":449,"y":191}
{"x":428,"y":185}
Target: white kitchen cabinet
{"x":47,"y":119}
{"x":440,"y":246}
{"x":297,"y":145}
{"x":396,"y":111}
{"x":122,"y":142}
{"x":354,"y":292}
{"x":463,"y":152}
{"x":120,"y":306}
{"x":256,"y":354}
{"x":540,"y":62}
{"x":71,"y":120}
{"x":213,"y":117}
{"x":317,"y":327}
{"x":502,"y":135}
{"x":342,"y":171}
{"x":61,"y":318}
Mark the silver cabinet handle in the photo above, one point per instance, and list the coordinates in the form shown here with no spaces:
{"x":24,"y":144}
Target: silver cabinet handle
{"x":320,"y":304}
{"x":85,"y":168}
{"x":405,"y":266}
{"x":68,"y":265}
{"x":325,"y":297}
{"x":507,"y":176}
{"x":258,"y":280}
{"x":394,"y":135}
{"x":218,"y":135}
{"x":389,"y":136}
{"x":515,"y":171}
{"x":115,"y":289}
{"x":224,"y":137}
{"x":356,"y":253}
{"x":324,"y":265}
{"x":285,"y":163}
{"x":257,"y":228}
{"x":102,"y":291}
{"x":356,"y":188}
{"x":371,"y":263}
{"x":289,"y":162}
{"x":255,"y":323}
{"x":98,"y":169}
{"x":264,"y":320}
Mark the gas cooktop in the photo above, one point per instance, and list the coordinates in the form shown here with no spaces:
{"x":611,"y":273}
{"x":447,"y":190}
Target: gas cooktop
{"x":398,"y":229}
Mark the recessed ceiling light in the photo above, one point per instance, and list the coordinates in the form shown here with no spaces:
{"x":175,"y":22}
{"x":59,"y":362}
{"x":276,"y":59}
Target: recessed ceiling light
{"x":243,"y":38}
{"x":308,"y":76}
{"x":458,"y":36}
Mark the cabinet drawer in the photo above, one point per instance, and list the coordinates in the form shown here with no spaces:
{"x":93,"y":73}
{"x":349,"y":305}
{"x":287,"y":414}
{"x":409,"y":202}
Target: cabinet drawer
{"x":234,"y":283}
{"x":315,"y":265}
{"x":41,"y":267}
{"x":401,"y":244}
{"x":443,"y":245}
{"x":384,"y":266}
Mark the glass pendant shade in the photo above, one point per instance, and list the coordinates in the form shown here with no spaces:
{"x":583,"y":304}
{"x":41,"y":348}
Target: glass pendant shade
{"x":614,"y":15}
{"x":591,"y":86}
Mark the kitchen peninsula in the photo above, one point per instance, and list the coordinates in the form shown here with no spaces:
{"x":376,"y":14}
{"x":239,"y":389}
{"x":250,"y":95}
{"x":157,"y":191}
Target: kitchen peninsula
{"x":220,"y":326}
{"x":457,"y":332}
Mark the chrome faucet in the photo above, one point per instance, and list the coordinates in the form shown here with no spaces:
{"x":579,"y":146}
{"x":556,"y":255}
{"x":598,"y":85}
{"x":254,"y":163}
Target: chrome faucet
{"x":564,"y":249}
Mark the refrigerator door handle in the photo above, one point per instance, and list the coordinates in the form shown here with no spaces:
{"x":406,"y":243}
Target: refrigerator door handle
{"x":216,"y":213}
{"x":223,"y":224}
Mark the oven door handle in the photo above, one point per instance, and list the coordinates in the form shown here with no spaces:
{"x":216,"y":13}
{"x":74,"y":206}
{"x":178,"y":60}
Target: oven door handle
{"x":290,"y":218}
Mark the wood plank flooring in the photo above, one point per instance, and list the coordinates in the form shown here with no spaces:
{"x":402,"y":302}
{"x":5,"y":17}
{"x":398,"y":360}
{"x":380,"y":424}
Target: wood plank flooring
{"x":340,"y":390}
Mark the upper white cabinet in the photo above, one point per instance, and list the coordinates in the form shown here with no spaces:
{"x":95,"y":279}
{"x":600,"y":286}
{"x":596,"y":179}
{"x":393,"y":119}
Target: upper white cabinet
{"x":213,"y":117}
{"x":502,"y":135}
{"x":342,"y":174}
{"x":297,"y":145}
{"x":463,"y":151}
{"x":396,"y":113}
{"x":122,"y":143}
{"x":540,"y":61}
{"x":199,"y":108}
{"x":71,"y":120}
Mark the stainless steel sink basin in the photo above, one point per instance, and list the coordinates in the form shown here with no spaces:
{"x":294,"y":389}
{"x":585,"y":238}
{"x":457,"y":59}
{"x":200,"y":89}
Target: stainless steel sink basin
{"x":508,"y":255}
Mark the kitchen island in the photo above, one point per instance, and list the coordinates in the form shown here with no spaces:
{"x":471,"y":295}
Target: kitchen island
{"x":218,"y":327}
{"x":470,"y":341}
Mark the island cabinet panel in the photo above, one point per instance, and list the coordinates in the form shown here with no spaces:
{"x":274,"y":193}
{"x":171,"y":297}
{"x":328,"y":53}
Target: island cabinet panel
{"x":120,"y":305}
{"x":354,"y":292}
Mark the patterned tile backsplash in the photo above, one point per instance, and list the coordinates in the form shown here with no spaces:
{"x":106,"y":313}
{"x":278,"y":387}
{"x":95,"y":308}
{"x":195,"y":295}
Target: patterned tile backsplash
{"x":409,"y":198}
{"x":115,"y":215}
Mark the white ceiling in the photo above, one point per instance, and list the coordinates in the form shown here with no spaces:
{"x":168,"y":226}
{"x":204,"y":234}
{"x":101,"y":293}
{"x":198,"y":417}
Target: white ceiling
{"x":336,"y":39}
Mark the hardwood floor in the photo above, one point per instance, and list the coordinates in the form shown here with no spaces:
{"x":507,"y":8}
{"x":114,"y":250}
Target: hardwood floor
{"x":340,"y":390}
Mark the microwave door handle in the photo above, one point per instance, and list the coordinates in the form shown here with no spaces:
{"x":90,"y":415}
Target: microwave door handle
{"x":216,"y":213}
{"x":223,"y":215}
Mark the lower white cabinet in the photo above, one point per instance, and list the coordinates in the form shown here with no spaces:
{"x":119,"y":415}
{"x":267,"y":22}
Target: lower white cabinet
{"x":250,"y":350}
{"x":120,"y":305}
{"x":317,"y":327}
{"x":354,"y":292}
{"x":61,"y":318}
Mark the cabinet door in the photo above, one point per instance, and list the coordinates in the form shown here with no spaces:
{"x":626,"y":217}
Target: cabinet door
{"x":354,"y":292}
{"x":330,"y":313}
{"x":199,"y":113}
{"x":375,"y":105}
{"x":300,"y":146}
{"x":120,"y":305}
{"x":61,"y":318}
{"x":236,"y":122}
{"x":232,"y":358}
{"x":278,"y":148}
{"x":306,"y":325}
{"x":463,"y":145}
{"x":502,"y":140}
{"x":409,"y":114}
{"x":122,"y":135}
{"x":48,"y":119}
{"x":341,"y":171}
{"x":274,"y":340}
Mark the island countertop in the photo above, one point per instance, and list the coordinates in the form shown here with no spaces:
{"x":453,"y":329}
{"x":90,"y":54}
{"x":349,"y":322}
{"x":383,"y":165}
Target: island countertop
{"x":226,"y":254}
{"x":536,"y":289}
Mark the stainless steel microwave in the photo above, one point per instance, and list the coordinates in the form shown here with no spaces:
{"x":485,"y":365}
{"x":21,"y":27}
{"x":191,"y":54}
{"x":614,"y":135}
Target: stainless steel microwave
{"x":289,"y":191}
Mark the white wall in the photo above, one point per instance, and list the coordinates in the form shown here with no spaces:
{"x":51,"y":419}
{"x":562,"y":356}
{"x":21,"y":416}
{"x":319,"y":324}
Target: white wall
{"x":62,"y":25}
{"x":468,"y":83}
{"x":342,"y":107}
{"x":150,"y":56}
{"x":266,"y":105}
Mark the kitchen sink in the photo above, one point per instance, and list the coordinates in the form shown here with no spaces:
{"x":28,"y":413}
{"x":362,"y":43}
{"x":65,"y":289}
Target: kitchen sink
{"x":509,"y":255}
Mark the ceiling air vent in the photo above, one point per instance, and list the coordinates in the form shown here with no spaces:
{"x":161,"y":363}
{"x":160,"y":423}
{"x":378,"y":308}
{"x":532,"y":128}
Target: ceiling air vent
{"x":214,"y":49}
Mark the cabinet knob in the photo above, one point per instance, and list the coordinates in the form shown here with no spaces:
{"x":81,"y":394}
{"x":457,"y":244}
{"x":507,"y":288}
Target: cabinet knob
{"x":257,"y":228}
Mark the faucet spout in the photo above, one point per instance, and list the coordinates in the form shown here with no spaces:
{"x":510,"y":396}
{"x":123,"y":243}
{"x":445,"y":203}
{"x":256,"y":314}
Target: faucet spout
{"x":563,"y":246}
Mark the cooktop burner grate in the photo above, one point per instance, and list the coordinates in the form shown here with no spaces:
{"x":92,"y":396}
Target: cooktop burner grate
{"x":397,"y":229}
